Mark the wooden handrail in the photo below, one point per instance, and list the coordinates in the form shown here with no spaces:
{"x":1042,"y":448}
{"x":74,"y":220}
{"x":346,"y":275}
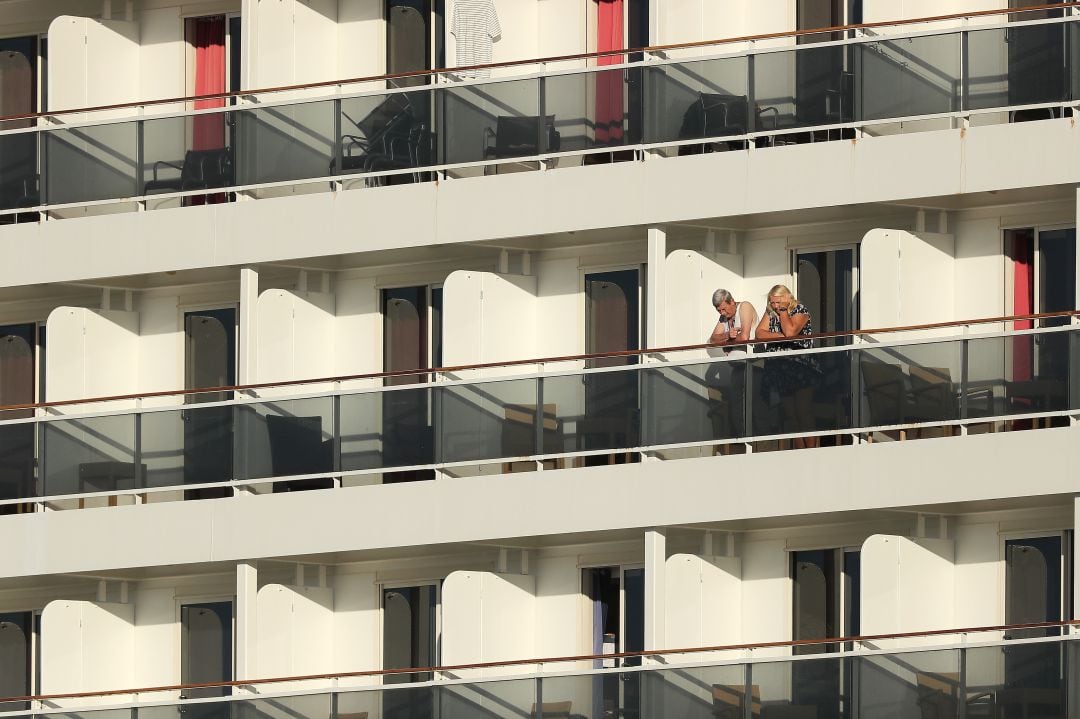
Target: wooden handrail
{"x":550,"y":59}
{"x":521,"y":362}
{"x":547,"y":660}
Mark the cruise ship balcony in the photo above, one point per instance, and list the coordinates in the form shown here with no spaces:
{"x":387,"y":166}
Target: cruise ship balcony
{"x":986,"y":109}
{"x":1020,"y":671}
{"x":488,"y":440}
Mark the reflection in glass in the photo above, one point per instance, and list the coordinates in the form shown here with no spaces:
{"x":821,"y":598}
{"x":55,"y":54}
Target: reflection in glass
{"x":97,"y":162}
{"x":90,"y":454}
{"x":488,"y":420}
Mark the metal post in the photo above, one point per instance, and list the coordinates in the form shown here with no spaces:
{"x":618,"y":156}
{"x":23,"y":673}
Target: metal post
{"x":140,"y":153}
{"x":964,"y":379}
{"x":751,"y":101}
{"x":338,"y":145}
{"x":335,"y":440}
{"x":962,"y":100}
{"x":748,"y":689}
{"x":539,"y":713}
{"x":541,"y":125}
{"x":140,"y":480}
{"x":748,"y":401}
{"x":539,"y":422}
{"x":961,"y":699}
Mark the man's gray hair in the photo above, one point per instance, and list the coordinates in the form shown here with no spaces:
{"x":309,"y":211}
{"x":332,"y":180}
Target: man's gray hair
{"x":720,"y":297}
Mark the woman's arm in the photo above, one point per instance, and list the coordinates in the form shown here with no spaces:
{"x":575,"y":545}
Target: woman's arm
{"x":792,"y":325}
{"x":763,"y":333}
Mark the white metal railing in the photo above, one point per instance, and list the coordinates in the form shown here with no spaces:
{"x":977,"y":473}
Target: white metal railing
{"x":446,"y":424}
{"x":429,"y":142}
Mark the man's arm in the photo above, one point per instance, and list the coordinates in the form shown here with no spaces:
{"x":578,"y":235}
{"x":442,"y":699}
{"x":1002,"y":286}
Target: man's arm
{"x":719,"y":334}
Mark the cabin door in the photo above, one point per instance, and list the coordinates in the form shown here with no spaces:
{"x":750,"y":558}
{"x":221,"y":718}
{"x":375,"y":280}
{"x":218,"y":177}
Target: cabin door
{"x":209,"y":361}
{"x":412,"y":340}
{"x":616,"y":597}
{"x":612,"y":324}
{"x":1036,"y":590}
{"x":16,"y":658}
{"x":20,"y":354}
{"x":206,"y":652}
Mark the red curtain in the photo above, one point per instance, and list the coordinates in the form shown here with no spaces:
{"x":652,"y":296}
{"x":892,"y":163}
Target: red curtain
{"x":609,"y":85}
{"x":207,"y":35}
{"x":1023,"y":302}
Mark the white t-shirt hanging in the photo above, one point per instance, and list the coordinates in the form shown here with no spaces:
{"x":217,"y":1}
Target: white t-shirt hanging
{"x":475,"y":27}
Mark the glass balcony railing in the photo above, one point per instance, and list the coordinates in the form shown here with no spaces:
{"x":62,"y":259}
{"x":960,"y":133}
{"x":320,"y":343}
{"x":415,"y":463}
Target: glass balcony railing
{"x":800,"y":93}
{"x":997,"y":680}
{"x":1021,"y":379}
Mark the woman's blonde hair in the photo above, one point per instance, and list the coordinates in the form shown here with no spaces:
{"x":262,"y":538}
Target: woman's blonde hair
{"x":779,"y":290}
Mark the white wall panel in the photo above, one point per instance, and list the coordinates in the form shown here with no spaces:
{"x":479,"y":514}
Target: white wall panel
{"x":907,"y":585}
{"x":92,"y":62}
{"x":295,"y":631}
{"x":161,"y":347}
{"x":295,"y":337}
{"x":559,"y":608}
{"x":692,"y":277}
{"x":488,"y":617}
{"x":163,"y":52}
{"x":156,"y":660}
{"x":766,"y":592}
{"x":293,"y":42}
{"x":92,"y":353}
{"x":906,"y":279}
{"x":87,"y":646}
{"x":704,"y":601}
{"x":562,"y":28}
{"x":979,"y":576}
{"x":361,"y":38}
{"x":488,"y":317}
{"x":357,"y":625}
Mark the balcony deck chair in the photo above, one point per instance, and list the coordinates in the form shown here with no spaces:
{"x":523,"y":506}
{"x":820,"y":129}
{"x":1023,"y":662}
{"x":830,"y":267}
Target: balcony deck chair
{"x":885,"y":387}
{"x":519,"y":136}
{"x":937,"y":694}
{"x":551,"y":710}
{"x":934,"y":396}
{"x":297,"y":447}
{"x":391,"y":137}
{"x":728,"y":701}
{"x":200,"y":170}
{"x":713,"y":115}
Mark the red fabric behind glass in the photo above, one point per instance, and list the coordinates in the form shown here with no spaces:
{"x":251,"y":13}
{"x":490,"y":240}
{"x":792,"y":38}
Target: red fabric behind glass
{"x":609,"y":85}
{"x":208,"y":38}
{"x":1023,"y":300}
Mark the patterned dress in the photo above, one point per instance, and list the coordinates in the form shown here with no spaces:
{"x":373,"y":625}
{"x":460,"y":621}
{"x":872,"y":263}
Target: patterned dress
{"x":790,"y":374}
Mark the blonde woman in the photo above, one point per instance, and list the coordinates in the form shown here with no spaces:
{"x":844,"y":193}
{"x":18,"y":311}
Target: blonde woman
{"x":787,"y":325}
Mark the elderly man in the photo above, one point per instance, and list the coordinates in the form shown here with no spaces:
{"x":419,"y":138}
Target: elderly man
{"x":736,"y":324}
{"x":727,"y":380}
